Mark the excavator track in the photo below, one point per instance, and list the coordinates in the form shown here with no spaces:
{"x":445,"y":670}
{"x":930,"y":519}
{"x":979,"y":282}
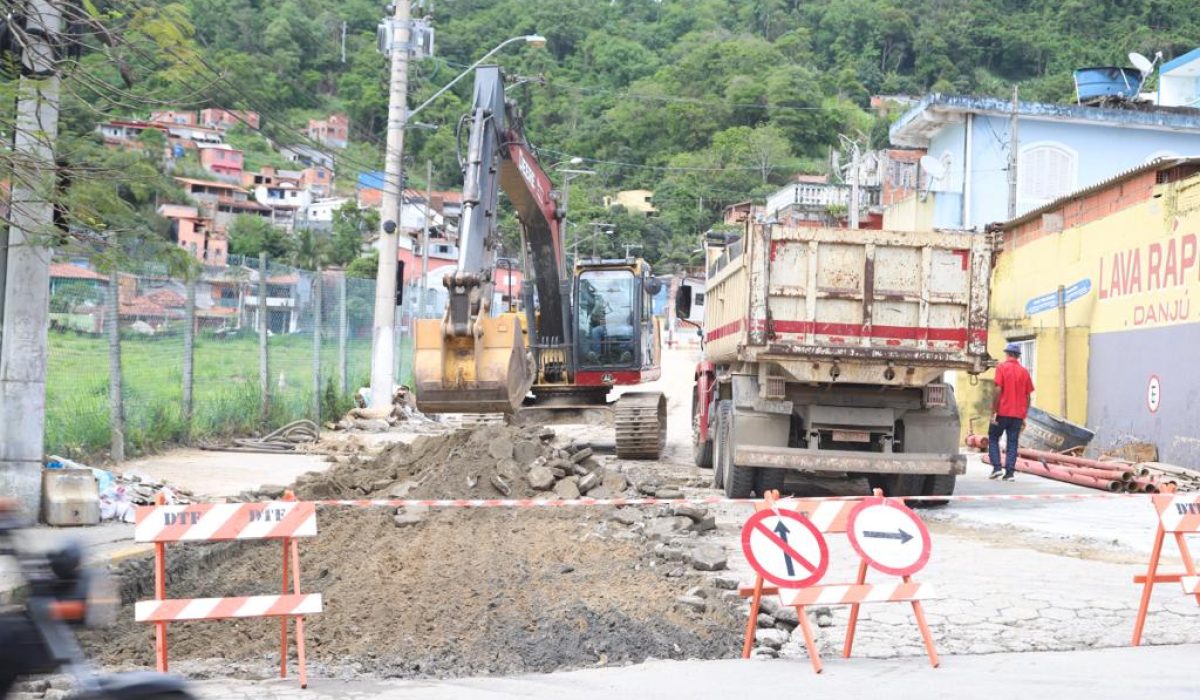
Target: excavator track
{"x":640,"y":419}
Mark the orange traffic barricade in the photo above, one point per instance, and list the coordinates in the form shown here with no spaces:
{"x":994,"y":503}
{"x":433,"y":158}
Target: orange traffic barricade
{"x":1180,"y":516}
{"x":876,"y":529}
{"x":283,"y":520}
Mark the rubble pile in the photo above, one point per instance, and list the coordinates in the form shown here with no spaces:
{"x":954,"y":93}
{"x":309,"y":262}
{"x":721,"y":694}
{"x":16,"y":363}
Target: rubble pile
{"x":459,"y":592}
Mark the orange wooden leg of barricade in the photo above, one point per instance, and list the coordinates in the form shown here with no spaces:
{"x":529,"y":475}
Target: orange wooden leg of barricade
{"x":853,"y":624}
{"x":1147,"y":587}
{"x":810,"y":642}
{"x":283,"y":621}
{"x":160,"y":593}
{"x":919,"y":613}
{"x":299,"y":618}
{"x":752,"y":623}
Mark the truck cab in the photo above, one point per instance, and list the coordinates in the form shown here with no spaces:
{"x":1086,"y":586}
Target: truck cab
{"x":616,"y":335}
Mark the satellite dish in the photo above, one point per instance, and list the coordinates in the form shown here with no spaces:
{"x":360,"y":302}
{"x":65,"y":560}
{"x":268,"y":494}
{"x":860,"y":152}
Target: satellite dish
{"x":1144,"y":65}
{"x":933,"y":167}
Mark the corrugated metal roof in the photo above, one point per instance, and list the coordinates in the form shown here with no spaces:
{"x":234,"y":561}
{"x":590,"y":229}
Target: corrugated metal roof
{"x":1156,"y":165}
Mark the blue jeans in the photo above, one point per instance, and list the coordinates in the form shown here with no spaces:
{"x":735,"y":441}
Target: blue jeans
{"x":1004,"y":426}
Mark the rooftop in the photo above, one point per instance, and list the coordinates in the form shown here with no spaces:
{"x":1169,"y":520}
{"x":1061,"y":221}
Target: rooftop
{"x":916,"y":126}
{"x":62,"y":270}
{"x":210,"y":183}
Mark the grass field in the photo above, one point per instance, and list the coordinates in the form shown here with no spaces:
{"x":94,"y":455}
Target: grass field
{"x":226,"y":388}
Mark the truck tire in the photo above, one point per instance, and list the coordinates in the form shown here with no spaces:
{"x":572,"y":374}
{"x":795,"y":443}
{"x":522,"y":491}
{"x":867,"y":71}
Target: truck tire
{"x":702,"y":450}
{"x":740,"y":482}
{"x":937,"y":485}
{"x":898,"y":485}
{"x":723,"y":417}
{"x":768,"y":480}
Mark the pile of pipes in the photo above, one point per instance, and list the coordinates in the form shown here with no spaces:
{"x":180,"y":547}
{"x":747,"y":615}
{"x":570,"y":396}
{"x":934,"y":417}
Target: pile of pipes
{"x":1114,"y":476}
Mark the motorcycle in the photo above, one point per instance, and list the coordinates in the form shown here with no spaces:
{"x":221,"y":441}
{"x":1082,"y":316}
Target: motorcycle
{"x":37,"y":637}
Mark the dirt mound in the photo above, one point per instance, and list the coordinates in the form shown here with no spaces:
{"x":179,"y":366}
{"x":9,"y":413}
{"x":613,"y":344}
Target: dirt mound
{"x":448,"y":593}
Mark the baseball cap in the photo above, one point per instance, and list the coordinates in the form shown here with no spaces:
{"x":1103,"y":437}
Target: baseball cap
{"x":1013,"y":349}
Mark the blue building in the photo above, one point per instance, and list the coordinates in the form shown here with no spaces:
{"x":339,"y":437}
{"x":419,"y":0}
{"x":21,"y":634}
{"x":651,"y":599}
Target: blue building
{"x":1061,"y":148}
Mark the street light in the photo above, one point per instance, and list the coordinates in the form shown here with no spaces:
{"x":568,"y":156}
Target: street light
{"x":535,"y":40}
{"x":570,"y":174}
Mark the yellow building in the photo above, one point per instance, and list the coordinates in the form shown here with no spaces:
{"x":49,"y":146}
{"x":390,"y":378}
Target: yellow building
{"x":1124,"y":254}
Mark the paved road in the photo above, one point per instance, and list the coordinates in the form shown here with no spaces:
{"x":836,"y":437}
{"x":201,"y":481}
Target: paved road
{"x":1148,"y":672}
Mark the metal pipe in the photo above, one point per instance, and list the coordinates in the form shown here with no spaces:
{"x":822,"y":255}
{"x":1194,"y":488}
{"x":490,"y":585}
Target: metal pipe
{"x":981,"y":442}
{"x":1028,"y":466}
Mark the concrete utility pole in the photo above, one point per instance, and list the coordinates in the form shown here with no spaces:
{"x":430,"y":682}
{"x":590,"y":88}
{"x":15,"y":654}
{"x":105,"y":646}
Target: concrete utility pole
{"x":425,"y":237}
{"x":383,"y":351}
{"x":27,"y":276}
{"x":1014,"y":148}
{"x":854,"y":187}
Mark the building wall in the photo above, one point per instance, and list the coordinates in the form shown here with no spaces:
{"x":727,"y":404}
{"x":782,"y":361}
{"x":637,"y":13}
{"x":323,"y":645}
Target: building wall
{"x":1134,"y":314}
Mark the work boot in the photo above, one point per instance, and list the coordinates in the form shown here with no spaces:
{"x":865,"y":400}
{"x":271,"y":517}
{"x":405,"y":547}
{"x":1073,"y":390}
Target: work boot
{"x":1009,"y":477}
{"x":996,"y":474}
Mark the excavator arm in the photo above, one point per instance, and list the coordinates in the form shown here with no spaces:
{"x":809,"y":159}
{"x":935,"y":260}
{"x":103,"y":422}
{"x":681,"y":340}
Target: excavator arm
{"x":471,"y":361}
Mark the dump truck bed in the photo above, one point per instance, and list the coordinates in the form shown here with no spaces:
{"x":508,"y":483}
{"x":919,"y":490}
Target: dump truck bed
{"x":851,"y":306}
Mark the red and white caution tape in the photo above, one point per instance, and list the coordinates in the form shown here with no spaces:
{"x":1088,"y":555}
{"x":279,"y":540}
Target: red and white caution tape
{"x":180,"y":609}
{"x":701,"y":500}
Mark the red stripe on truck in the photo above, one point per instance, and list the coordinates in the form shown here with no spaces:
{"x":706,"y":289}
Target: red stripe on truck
{"x":952,"y":335}
{"x":725,"y":330}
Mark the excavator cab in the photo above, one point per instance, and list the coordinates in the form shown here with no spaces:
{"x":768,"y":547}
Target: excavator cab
{"x":616,"y":336}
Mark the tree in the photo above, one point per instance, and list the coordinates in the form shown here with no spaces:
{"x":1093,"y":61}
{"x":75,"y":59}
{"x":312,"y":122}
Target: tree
{"x":351,"y":226}
{"x":366,"y":267}
{"x":250,"y":235}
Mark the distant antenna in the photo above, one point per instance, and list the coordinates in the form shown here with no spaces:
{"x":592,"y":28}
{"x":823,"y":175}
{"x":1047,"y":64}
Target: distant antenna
{"x":1144,"y":65}
{"x":933,"y":167}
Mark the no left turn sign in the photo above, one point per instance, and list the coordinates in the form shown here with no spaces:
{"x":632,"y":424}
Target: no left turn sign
{"x":888,"y":536}
{"x":785,"y":548}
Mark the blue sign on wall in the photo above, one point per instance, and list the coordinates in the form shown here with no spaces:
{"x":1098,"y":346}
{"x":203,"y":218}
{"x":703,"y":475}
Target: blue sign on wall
{"x":1049,"y":301}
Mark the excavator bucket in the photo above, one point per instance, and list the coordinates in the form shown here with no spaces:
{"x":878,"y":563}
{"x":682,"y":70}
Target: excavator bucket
{"x":490,"y":373}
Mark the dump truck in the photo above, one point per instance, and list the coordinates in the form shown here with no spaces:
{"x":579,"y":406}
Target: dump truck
{"x":827,"y":351}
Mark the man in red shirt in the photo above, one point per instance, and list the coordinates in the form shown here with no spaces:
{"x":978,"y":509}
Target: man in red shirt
{"x":1013,"y":387}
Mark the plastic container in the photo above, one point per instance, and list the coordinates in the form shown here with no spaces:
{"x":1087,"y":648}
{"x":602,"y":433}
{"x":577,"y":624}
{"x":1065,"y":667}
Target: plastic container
{"x":1049,"y":433}
{"x":70,"y":497}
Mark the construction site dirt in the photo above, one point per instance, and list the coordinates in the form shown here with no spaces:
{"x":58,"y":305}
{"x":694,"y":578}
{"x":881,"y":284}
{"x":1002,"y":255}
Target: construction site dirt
{"x":447,"y":593}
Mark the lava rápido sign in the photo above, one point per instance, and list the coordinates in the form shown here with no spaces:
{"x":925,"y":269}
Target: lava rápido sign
{"x":888,"y":536}
{"x":785,"y":548}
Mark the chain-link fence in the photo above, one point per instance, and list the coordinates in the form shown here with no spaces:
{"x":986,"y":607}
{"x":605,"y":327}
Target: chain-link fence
{"x":317,"y":351}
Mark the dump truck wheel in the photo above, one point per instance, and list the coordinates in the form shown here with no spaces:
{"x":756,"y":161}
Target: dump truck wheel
{"x":937,"y":485}
{"x":768,"y":480}
{"x":739,"y":481}
{"x":702,"y":450}
{"x":723,"y":417}
{"x":641,"y":425}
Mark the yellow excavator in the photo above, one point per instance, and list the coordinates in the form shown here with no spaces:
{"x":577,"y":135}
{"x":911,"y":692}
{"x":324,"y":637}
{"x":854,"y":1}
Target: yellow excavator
{"x":581,"y":332}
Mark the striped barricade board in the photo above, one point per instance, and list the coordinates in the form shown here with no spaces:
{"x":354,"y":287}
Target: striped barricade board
{"x":1178,"y":516}
{"x":284,"y":520}
{"x":214,"y":522}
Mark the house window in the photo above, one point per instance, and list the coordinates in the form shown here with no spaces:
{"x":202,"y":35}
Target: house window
{"x":1028,"y":357}
{"x":1046,"y":172}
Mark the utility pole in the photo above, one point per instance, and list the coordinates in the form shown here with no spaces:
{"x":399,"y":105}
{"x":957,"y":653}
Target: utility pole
{"x":26,"y":295}
{"x":425,"y":236}
{"x":1014,"y":148}
{"x":383,"y":351}
{"x":343,"y":41}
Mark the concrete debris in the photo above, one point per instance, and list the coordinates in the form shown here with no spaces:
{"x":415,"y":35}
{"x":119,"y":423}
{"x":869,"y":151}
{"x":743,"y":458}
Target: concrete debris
{"x":501,"y":449}
{"x":696,"y":513}
{"x":526,"y":451}
{"x":409,"y":516}
{"x":785,"y":617}
{"x":501,"y":485}
{"x":401,"y":489}
{"x":764,"y":653}
{"x":589,"y":482}
{"x":372,"y":425}
{"x":582,"y":455}
{"x":648,"y":488}
{"x":663,"y":529}
{"x":705,"y":525}
{"x":540,"y":478}
{"x":709,"y":557}
{"x":566,"y":489}
{"x":726,"y":582}
{"x":823,"y":616}
{"x":615,"y":481}
{"x":697,"y":592}
{"x":765,"y":621}
{"x":693,"y":603}
{"x":668,"y":492}
{"x":771,"y":638}
{"x":628,"y":516}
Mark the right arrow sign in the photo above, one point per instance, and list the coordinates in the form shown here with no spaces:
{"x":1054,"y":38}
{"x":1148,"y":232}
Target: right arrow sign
{"x":888,"y":536}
